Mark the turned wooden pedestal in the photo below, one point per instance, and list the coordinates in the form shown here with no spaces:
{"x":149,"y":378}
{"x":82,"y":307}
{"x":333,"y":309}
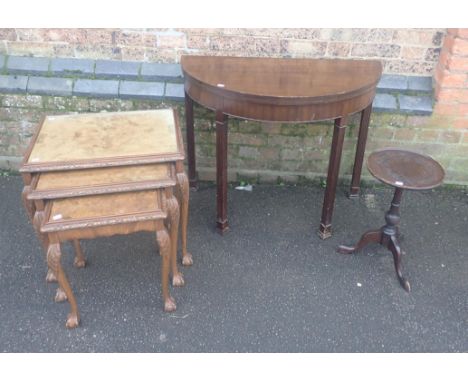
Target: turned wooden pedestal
{"x":403,"y":170}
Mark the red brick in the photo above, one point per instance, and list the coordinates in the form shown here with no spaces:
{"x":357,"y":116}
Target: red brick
{"x":460,"y":47}
{"x":458,"y":32}
{"x":457,"y":63}
{"x":444,"y":58}
{"x":452,"y":31}
{"x":463,"y":110}
{"x":461,"y":123}
{"x":453,"y":95}
{"x":449,"y":40}
{"x":446,"y":109}
{"x":445,"y":78}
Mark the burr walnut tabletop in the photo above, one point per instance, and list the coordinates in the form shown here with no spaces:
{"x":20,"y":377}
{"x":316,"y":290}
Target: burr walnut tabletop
{"x":280,"y":90}
{"x":104,"y":139}
{"x":52,"y":185}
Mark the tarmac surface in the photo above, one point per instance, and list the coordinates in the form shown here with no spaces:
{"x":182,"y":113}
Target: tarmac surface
{"x":269,"y":285}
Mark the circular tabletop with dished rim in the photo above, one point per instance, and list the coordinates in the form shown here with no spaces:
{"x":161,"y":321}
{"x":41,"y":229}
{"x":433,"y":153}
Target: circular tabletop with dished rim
{"x":405,"y":169}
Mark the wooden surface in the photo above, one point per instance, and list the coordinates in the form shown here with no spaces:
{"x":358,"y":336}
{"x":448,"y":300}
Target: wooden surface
{"x":102,"y":210}
{"x":284,"y":90}
{"x":405,"y":169}
{"x":59,"y":184}
{"x":104,"y":139}
{"x":280,"y":90}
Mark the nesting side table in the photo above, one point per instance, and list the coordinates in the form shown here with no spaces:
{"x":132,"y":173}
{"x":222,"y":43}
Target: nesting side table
{"x":107,"y":140}
{"x":89,"y":217}
{"x":111,"y":173}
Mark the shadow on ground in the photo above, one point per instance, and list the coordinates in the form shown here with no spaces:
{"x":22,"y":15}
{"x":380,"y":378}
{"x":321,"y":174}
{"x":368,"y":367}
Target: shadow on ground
{"x":269,"y":285}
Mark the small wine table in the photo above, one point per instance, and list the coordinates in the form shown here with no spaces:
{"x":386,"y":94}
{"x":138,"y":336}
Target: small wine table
{"x":404,"y":170}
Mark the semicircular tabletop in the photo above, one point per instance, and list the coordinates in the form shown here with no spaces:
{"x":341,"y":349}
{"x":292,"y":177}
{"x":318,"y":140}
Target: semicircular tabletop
{"x":226,"y":83}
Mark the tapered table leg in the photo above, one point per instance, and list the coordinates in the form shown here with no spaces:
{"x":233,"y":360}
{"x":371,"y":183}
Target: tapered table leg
{"x":221,"y":171}
{"x":332,"y":177}
{"x":360,"y":150}
{"x":192,"y":171}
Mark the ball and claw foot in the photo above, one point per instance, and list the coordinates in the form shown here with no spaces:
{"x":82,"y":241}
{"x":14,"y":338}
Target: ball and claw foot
{"x":79,"y":263}
{"x":170,"y":305}
{"x":50,"y":277}
{"x":178,"y":280}
{"x":60,"y":295}
{"x":72,"y":321}
{"x":187,"y":259}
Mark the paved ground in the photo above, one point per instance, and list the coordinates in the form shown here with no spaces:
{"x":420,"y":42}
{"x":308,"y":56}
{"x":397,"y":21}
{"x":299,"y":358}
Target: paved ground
{"x":270,"y":285}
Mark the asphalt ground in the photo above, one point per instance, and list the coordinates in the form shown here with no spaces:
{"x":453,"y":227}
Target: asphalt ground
{"x":269,"y":285}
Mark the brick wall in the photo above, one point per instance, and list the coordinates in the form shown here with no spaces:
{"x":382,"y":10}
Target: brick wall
{"x":451,"y":92}
{"x":262,"y":152}
{"x":402,"y":51}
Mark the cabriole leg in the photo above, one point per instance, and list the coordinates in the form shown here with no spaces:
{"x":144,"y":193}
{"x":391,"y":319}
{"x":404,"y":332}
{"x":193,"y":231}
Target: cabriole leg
{"x":182,"y":192}
{"x":54,"y":255}
{"x":164,"y":243}
{"x":173,"y":225}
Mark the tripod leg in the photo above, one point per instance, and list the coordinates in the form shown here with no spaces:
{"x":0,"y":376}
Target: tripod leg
{"x":394,"y":247}
{"x":373,"y":236}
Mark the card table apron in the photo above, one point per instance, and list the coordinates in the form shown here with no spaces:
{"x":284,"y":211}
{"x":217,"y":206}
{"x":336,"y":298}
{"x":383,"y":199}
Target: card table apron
{"x":280,"y":90}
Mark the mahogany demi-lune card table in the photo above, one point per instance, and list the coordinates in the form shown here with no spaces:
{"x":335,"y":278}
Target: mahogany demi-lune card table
{"x":280,"y":90}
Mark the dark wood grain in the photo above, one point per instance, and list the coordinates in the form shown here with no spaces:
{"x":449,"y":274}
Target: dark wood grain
{"x":280,"y":90}
{"x":401,"y":169}
{"x":405,"y":169}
